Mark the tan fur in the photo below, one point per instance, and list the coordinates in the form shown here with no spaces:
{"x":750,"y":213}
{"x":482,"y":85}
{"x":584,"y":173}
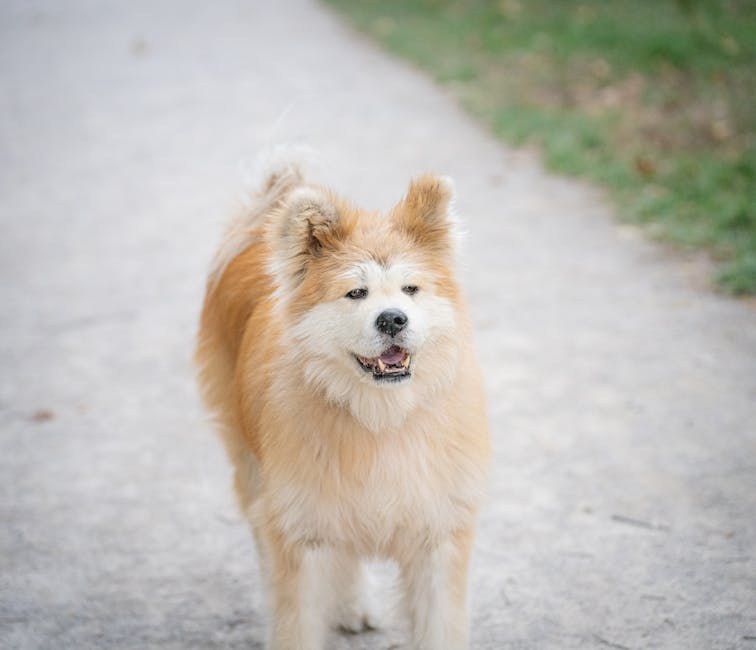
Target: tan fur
{"x":312,"y":473}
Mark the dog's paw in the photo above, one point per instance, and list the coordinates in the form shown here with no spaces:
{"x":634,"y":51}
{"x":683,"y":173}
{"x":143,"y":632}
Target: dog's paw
{"x":357,"y":617}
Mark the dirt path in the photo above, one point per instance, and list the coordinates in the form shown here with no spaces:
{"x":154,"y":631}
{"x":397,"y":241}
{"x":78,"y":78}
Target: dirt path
{"x":622,"y":393}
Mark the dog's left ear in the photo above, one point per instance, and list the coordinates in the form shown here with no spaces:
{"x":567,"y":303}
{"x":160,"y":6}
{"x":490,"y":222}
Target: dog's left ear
{"x":425,"y":213}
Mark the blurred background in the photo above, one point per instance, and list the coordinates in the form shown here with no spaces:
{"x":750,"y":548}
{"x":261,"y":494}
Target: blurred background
{"x":653,"y":100}
{"x":620,"y":371}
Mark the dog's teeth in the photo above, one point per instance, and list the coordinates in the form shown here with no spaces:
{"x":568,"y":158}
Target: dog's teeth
{"x":381,"y":366}
{"x":406,"y":361}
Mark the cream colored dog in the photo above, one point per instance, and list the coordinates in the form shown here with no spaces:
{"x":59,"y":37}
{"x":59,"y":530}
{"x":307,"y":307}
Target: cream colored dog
{"x":336,"y":352}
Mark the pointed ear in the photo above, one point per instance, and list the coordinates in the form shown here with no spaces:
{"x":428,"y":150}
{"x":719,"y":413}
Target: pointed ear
{"x":314,"y":222}
{"x":425,"y":213}
{"x":308,"y":223}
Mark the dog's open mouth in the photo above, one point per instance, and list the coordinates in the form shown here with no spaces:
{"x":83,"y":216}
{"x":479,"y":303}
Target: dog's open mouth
{"x":392,"y":365}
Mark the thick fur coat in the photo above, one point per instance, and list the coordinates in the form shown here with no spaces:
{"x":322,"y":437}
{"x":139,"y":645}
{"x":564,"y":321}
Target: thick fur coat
{"x":336,"y":354}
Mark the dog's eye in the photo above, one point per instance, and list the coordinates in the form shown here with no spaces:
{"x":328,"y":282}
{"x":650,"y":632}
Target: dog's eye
{"x":410,"y":289}
{"x":357,"y":294}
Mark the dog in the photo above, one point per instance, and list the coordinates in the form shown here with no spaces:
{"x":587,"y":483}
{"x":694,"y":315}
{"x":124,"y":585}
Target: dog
{"x":336,"y":354}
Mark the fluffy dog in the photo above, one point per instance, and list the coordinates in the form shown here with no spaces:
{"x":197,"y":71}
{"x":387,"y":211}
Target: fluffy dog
{"x":336,"y":353}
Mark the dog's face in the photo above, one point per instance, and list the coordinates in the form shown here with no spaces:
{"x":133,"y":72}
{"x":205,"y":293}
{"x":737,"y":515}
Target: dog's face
{"x":370,"y":299}
{"x":376,"y":319}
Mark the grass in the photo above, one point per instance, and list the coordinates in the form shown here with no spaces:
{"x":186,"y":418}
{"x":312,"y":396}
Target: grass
{"x":653,"y":100}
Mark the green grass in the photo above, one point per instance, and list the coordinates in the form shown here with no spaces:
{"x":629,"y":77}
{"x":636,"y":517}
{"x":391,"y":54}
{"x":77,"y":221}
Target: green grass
{"x":652,"y":99}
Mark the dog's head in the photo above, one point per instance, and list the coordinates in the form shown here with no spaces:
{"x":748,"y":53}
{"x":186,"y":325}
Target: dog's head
{"x":370,"y":300}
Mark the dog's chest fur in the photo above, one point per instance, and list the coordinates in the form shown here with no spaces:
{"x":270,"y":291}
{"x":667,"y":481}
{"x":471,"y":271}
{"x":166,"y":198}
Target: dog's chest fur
{"x":406,"y":487}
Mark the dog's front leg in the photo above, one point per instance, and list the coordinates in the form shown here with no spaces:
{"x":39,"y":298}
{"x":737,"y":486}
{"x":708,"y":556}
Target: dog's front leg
{"x":299,"y":613}
{"x":435,"y":581}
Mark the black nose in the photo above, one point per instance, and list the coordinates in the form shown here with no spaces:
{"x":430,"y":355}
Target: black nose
{"x":391,"y":321}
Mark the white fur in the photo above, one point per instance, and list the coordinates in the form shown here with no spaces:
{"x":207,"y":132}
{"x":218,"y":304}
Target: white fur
{"x":455,"y":224}
{"x":334,"y":591}
{"x":436,"y":624}
{"x":330,"y":334}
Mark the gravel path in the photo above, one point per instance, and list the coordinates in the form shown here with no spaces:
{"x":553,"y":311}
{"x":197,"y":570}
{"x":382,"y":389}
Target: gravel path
{"x":622,"y":391}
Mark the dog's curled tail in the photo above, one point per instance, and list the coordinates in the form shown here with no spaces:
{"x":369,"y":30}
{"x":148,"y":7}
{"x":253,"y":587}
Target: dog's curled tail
{"x":281,"y":177}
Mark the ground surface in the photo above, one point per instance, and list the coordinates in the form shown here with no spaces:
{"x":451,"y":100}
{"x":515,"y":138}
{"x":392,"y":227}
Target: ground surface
{"x":622,"y":392}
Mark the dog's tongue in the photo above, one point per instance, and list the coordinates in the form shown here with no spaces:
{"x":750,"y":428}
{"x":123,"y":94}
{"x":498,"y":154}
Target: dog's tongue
{"x":393,"y":356}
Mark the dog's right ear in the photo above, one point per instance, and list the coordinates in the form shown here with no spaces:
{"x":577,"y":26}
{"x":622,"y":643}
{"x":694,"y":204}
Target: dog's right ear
{"x":426,"y":215}
{"x":308,"y":223}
